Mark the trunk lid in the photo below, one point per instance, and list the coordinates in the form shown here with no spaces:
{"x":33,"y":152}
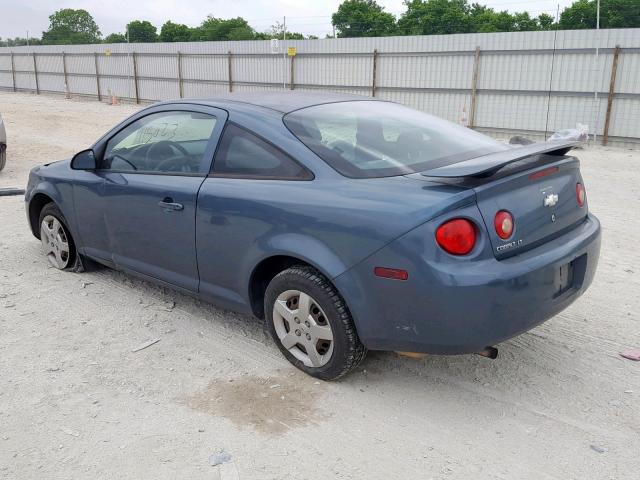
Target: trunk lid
{"x":541,"y":200}
{"x":536,"y":184}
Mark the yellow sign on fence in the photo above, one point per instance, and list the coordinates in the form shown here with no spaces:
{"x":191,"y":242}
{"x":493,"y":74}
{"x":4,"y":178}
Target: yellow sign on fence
{"x":291,"y":51}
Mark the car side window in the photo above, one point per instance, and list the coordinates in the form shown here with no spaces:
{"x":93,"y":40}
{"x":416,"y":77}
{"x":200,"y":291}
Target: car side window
{"x":164,"y":142}
{"x":242,"y":154}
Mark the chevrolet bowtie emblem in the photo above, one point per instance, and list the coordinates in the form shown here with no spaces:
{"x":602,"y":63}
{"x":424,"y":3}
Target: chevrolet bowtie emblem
{"x":550,"y":200}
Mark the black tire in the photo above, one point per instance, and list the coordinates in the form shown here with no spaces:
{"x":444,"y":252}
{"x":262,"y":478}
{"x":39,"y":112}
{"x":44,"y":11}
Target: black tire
{"x":348,"y":351}
{"x":74,"y":262}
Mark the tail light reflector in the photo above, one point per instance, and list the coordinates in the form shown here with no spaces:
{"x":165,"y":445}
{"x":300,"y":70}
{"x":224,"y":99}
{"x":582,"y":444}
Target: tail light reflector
{"x":457,"y":236}
{"x":503,"y":223}
{"x":581,"y":194}
{"x":392,"y":273}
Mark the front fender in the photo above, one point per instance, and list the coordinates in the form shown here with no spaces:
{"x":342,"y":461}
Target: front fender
{"x":40,"y":191}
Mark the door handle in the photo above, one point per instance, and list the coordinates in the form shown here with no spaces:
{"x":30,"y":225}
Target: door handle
{"x":168,"y":204}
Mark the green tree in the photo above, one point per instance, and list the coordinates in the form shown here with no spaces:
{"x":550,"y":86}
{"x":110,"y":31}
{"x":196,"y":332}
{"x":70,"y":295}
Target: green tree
{"x":19,"y":41}
{"x":213,"y":28}
{"x":484,"y":19}
{"x":175,"y":32}
{"x":363,"y":18}
{"x":142,"y":31}
{"x":522,"y":22}
{"x":545,"y":21}
{"x":115,"y":38}
{"x":613,"y":14}
{"x":69,"y":26}
{"x":428,"y":17}
{"x":581,"y":14}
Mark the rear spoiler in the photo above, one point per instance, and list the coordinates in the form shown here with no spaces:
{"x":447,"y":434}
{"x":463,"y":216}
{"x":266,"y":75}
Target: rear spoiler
{"x":487,"y":165}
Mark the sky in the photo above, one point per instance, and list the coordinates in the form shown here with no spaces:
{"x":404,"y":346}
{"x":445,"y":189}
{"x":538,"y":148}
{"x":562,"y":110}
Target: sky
{"x":311,"y":17}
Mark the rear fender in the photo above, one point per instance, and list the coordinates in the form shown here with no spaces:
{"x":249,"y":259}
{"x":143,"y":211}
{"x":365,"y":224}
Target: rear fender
{"x":384,"y":308}
{"x":307,"y":249}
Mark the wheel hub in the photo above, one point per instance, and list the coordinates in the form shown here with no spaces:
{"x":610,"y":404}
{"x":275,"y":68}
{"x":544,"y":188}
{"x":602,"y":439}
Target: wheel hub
{"x":54,"y":242}
{"x":302,"y":327}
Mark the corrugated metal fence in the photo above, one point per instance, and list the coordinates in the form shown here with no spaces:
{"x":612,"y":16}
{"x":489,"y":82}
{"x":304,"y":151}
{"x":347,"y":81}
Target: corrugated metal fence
{"x":524,"y":82}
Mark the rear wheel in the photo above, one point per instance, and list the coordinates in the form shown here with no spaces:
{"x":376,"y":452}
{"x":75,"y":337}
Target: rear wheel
{"x":311,"y":324}
{"x":56,"y":239}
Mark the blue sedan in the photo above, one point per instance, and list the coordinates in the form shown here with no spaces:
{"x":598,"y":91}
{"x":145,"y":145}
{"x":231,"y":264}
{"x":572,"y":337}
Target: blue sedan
{"x":346,"y":222}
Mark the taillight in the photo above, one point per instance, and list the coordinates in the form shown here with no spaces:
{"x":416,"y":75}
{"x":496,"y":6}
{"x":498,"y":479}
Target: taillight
{"x":503,"y":223}
{"x":581,"y":194}
{"x":457,"y":236}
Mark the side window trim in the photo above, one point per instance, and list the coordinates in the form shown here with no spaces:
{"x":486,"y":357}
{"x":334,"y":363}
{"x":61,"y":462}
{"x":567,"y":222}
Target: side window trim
{"x":309,"y":175}
{"x":206,"y":162}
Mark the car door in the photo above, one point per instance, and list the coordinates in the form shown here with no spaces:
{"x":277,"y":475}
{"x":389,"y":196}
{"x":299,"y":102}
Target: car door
{"x":238,"y":210}
{"x":152,"y":171}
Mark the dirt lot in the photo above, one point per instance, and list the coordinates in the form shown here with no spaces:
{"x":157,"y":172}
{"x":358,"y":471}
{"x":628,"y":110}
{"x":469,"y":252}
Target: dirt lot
{"x":77,"y":402}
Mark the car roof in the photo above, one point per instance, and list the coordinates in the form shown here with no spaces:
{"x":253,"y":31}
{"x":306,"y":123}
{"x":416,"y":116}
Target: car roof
{"x":284,"y":102}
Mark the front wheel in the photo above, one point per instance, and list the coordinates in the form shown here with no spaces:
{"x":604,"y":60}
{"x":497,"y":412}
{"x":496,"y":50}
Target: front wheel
{"x":56,"y":239}
{"x":310,"y":323}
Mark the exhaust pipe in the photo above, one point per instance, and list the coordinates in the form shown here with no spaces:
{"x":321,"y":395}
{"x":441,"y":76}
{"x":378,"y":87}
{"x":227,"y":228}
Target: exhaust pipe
{"x":489,"y":352}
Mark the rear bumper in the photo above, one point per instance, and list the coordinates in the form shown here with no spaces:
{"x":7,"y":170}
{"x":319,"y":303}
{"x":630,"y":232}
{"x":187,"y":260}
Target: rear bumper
{"x":449,"y":306}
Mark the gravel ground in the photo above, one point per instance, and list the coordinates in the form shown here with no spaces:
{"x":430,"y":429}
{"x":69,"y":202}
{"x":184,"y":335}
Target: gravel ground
{"x":77,"y":402}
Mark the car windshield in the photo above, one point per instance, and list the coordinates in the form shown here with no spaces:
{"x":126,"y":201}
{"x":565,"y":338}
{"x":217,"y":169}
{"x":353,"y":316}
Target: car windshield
{"x":366,"y":139}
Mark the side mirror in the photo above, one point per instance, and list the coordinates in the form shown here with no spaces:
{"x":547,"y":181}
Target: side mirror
{"x":84,"y":160}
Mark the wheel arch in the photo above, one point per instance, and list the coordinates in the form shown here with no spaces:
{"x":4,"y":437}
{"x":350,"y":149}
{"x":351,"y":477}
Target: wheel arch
{"x":279,"y":252}
{"x":269,"y":267}
{"x":36,"y":204}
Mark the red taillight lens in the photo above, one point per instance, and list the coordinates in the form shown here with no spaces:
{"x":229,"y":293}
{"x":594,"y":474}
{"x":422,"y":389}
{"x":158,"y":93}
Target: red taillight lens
{"x":457,"y":236}
{"x":581,"y":194}
{"x":503,"y":222}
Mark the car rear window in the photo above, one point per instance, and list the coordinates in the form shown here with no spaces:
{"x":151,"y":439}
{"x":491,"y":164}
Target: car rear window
{"x":367,"y":139}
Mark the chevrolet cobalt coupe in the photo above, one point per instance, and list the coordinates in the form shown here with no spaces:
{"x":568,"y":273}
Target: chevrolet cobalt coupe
{"x":347,"y":223}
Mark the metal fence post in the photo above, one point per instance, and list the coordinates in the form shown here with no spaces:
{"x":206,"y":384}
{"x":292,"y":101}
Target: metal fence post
{"x":292,"y":57}
{"x":35,"y":73}
{"x":474,"y":89}
{"x":374,"y":73}
{"x":95,"y":62}
{"x":180,"y":75}
{"x":66,"y":79}
{"x":13,"y":73}
{"x":230,"y":78}
{"x":612,"y":88}
{"x":135,"y":76}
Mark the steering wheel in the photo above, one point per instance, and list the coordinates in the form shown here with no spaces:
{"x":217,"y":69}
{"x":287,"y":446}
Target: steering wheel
{"x":172,"y":163}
